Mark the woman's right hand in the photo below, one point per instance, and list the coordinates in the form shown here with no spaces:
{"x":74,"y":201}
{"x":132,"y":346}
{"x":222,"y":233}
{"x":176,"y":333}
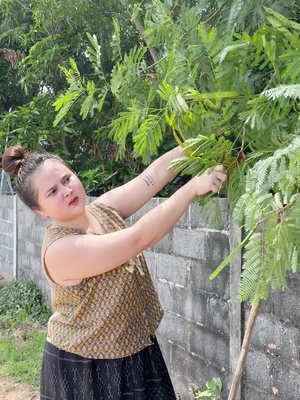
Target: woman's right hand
{"x":210,"y":181}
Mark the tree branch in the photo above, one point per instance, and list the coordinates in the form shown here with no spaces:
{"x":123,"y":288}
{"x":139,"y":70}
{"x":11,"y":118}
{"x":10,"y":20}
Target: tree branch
{"x":141,"y":29}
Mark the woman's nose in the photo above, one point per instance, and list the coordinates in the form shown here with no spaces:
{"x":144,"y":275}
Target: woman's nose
{"x":67,"y":191}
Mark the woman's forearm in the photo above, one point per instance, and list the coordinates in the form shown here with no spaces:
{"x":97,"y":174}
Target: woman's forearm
{"x":158,"y":173}
{"x":134,"y":194}
{"x":159,"y":221}
{"x":154,"y":225}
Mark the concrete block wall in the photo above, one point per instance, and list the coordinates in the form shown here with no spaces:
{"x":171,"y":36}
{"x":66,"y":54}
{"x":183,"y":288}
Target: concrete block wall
{"x":6,"y":235}
{"x":195,"y":332}
{"x":273,"y":364}
{"x":30,"y":230}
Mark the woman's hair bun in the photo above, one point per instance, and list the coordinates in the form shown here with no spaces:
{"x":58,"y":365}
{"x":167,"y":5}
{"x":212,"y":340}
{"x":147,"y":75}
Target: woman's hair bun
{"x":13,"y":159}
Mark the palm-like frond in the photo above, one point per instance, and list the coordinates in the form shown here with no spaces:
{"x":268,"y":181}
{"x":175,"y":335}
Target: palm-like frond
{"x":115,"y":43}
{"x":94,"y":51}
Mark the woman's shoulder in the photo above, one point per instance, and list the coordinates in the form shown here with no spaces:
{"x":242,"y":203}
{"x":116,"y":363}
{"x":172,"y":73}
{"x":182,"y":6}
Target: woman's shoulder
{"x":107,"y":215}
{"x":100,"y":207}
{"x":53,"y":233}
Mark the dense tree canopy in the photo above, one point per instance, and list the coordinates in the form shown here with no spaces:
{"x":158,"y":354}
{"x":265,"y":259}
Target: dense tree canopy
{"x":38,"y":38}
{"x":96,"y":81}
{"x":46,"y":35}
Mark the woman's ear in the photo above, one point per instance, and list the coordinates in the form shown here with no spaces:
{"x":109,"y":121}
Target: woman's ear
{"x":40,"y":212}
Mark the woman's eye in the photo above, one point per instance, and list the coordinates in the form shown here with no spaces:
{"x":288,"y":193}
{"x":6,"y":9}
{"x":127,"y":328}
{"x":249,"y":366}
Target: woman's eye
{"x":67,"y":179}
{"x":53,"y":191}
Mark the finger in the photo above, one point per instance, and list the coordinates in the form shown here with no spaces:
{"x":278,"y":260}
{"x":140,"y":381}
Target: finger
{"x":215,"y":188}
{"x":221,"y":176}
{"x":219,"y":168}
{"x":217,"y":183}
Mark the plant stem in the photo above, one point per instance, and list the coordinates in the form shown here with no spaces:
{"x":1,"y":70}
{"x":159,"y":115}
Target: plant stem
{"x":243,"y":353}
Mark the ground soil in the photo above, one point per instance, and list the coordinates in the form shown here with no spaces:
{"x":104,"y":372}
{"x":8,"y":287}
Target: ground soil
{"x":14,"y":390}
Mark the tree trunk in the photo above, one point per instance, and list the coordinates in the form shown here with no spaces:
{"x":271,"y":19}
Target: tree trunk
{"x":243,"y":354}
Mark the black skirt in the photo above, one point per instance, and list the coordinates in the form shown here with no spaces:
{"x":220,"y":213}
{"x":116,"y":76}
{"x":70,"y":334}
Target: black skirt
{"x":142,"y":376}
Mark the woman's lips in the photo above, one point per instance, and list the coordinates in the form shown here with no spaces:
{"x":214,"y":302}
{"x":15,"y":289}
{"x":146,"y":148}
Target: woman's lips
{"x":74,"y":201}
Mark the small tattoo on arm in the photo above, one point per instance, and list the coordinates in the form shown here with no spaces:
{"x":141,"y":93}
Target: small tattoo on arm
{"x":149,"y":180}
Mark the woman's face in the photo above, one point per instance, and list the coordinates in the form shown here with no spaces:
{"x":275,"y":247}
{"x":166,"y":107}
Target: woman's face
{"x":60,"y":194}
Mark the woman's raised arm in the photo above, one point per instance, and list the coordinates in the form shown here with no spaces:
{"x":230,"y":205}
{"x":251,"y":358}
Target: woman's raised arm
{"x":130,"y":197}
{"x":76,"y":257}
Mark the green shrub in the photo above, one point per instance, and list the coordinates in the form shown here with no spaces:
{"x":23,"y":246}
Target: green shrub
{"x":22,"y":300}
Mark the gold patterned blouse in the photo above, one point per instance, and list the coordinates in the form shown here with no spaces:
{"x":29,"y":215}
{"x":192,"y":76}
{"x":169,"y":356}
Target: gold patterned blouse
{"x":108,"y":316}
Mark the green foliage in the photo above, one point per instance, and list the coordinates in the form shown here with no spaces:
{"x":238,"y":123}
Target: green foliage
{"x":292,"y":91}
{"x":224,"y":85}
{"x":202,"y":152}
{"x":243,"y":98}
{"x":227,"y":260}
{"x":127,"y":73}
{"x":50,"y":34}
{"x":76,"y":89}
{"x":269,"y":211}
{"x":213,"y":390}
{"x":21,"y":353}
{"x":22,"y":300}
{"x":10,"y":94}
{"x":189,"y":66}
{"x":92,"y":179}
{"x":29,"y":125}
{"x":271,"y":197}
{"x":23,"y":331}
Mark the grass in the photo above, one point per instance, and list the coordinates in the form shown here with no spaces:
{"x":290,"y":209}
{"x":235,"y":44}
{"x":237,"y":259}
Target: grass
{"x":22,"y":331}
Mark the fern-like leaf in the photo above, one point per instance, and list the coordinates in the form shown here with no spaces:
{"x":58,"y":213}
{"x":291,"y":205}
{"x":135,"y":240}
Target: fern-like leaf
{"x":148,"y":137}
{"x":292,"y":91}
{"x":127,"y":73}
{"x":65,"y":102}
{"x":230,"y":257}
{"x":126,"y":123}
{"x":253,"y":284}
{"x":115,"y":42}
{"x":76,"y":89}
{"x":95,"y":54}
{"x":203,"y":152}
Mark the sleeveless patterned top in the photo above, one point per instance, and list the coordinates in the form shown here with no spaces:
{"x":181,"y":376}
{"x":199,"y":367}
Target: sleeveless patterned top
{"x":108,"y":316}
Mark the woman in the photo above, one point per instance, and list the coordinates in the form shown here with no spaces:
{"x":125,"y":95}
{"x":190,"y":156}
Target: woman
{"x":101,"y":341}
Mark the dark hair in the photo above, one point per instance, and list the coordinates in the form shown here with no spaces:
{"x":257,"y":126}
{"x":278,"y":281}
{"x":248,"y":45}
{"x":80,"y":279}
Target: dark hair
{"x":22,"y":165}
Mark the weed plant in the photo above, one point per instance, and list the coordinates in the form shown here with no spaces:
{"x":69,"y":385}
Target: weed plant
{"x":23,"y":317}
{"x":19,"y":300}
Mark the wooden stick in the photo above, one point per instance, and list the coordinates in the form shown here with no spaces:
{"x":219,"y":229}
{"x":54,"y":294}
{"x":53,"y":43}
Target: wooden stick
{"x":243,"y":353}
